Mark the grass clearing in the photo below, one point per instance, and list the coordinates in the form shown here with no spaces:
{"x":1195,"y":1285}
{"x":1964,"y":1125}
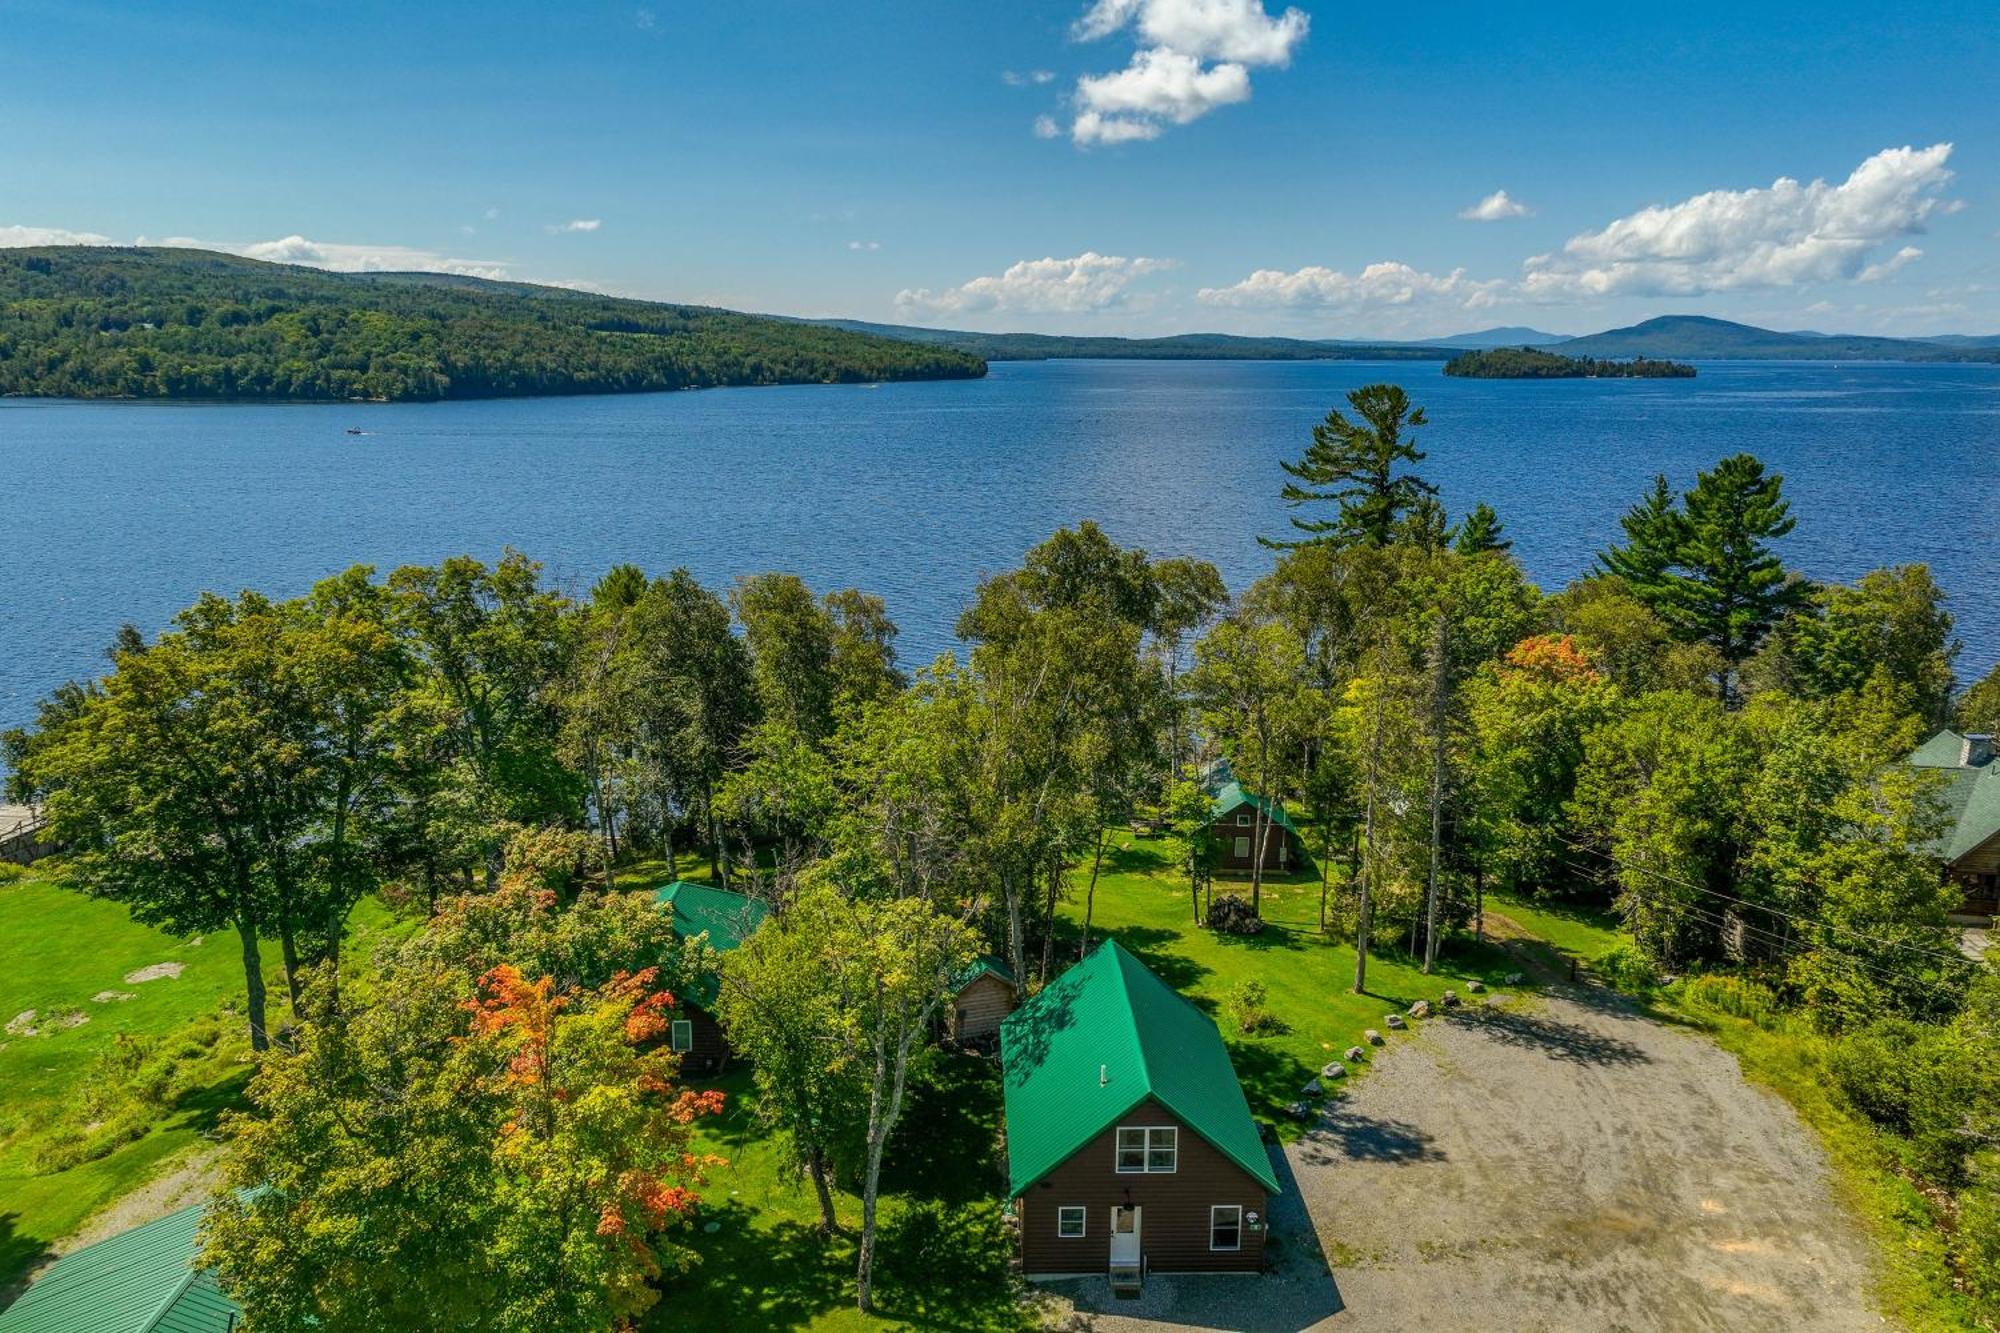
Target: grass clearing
{"x":94,"y":1109}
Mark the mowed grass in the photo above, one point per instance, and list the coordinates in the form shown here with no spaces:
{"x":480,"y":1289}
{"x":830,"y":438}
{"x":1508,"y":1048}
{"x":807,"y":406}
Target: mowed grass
{"x":1583,"y":932}
{"x":1143,"y":902}
{"x":943,"y":1255}
{"x":73,"y":1138}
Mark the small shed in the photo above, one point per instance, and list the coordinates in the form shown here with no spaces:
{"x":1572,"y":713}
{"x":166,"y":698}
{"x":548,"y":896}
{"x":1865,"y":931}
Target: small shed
{"x":1130,"y":1145}
{"x":982,"y":995}
{"x":138,"y":1281}
{"x":727,"y":919}
{"x":1970,"y":845}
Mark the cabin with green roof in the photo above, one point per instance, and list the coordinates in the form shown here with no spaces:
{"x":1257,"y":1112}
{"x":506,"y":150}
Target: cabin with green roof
{"x":1239,"y":816}
{"x":1130,"y":1146}
{"x":727,"y":919}
{"x":982,"y":995}
{"x":138,"y":1281}
{"x":1970,"y":845}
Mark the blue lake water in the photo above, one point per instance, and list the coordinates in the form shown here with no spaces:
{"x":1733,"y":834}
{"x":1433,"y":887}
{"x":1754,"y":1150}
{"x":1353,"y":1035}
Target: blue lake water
{"x":117,"y":512}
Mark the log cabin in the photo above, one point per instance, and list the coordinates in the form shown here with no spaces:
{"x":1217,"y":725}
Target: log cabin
{"x":1130,"y":1147}
{"x":982,"y":995}
{"x":1970,"y":845}
{"x":727,"y":919}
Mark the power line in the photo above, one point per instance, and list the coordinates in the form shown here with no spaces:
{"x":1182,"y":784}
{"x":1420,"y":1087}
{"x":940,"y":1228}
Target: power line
{"x":1801,"y":917}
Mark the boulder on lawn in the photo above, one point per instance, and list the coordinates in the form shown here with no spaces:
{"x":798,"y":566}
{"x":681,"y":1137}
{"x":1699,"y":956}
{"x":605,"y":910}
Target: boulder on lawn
{"x":1449,"y":999}
{"x":1334,"y":1070}
{"x":1354,"y":1053}
{"x":1372,"y":1037}
{"x":1475,"y":986}
{"x":1299,"y":1110}
{"x":1312,"y":1088}
{"x":1421,"y":1009}
{"x":1394,"y":1022}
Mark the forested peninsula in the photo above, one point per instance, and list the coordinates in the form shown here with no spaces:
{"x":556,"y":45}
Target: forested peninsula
{"x":122,"y":322}
{"x":1531,"y":363}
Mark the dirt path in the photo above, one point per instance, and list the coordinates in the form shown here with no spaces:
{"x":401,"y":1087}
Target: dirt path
{"x":1556,"y":1162}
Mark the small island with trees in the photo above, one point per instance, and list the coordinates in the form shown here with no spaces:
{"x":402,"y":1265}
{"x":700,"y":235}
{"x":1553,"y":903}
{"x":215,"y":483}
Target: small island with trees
{"x":1532,"y":363}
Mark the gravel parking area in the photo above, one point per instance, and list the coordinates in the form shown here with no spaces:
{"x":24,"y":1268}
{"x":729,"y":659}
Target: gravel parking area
{"x":1553,"y":1162}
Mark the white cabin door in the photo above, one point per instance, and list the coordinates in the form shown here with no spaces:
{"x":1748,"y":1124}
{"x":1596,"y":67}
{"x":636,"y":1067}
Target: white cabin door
{"x":1124,"y":1235}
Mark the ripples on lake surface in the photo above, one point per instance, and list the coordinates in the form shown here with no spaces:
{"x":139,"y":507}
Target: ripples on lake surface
{"x":120,"y":512}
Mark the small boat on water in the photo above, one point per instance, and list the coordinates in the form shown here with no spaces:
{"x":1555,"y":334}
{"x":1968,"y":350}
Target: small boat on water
{"x":356,"y":430}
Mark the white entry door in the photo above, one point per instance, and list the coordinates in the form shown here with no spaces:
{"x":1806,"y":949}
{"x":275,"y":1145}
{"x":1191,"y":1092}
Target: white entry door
{"x":1124,"y":1235}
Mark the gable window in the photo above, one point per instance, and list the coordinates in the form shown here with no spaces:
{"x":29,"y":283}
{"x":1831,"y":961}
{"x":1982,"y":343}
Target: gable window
{"x":1225,"y":1227}
{"x":1243,"y":846}
{"x":682,"y":1037}
{"x":1243,"y":819}
{"x":1148,"y":1149}
{"x":1069,"y":1222}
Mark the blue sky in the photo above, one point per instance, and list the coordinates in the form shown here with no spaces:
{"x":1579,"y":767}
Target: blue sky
{"x":1115,"y":166}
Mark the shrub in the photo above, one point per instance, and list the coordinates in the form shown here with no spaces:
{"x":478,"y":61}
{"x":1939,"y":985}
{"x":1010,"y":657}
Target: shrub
{"x":1247,"y":1005}
{"x":1721,"y":993}
{"x":1914,"y":1081}
{"x":1978,"y":1239}
{"x":1624,"y":968}
{"x":9,"y":872}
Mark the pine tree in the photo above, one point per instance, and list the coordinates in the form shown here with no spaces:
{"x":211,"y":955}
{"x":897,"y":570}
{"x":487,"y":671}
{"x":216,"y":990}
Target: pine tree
{"x":1729,"y":587}
{"x":1653,"y":537}
{"x":1481,"y":532}
{"x":1353,"y":464}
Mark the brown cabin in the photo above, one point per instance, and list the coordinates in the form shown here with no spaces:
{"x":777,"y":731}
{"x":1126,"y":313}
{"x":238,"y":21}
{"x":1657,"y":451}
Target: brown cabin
{"x":1237,"y":817}
{"x":1970,"y":845}
{"x":727,"y":919}
{"x":983,"y":995}
{"x":1130,"y":1147}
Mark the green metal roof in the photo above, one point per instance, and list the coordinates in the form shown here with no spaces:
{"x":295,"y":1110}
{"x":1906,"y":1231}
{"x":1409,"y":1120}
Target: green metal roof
{"x":1971,"y":794}
{"x":727,"y":918}
{"x":979,"y":967}
{"x":1233,"y":794}
{"x":1099,"y":1040}
{"x":138,"y":1281}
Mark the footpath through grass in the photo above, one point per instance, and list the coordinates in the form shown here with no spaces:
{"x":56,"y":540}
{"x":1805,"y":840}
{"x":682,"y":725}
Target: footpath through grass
{"x":105,"y":1079}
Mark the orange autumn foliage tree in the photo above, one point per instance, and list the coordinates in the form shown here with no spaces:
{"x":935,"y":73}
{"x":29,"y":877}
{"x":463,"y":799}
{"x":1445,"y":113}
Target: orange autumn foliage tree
{"x":500,"y":1151}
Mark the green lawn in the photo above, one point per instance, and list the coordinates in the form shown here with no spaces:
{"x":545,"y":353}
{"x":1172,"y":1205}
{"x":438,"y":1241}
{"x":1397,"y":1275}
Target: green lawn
{"x":1309,"y":977}
{"x":91,"y":1111}
{"x":1583,"y":932}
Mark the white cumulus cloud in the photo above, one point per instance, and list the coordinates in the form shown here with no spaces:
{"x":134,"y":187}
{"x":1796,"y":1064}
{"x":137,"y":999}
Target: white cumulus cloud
{"x":576,"y":224}
{"x":15,"y":237}
{"x":342,"y":258}
{"x":1086,"y":282}
{"x":864,"y":245}
{"x":1020,"y":79}
{"x":1387,"y":284}
{"x":1192,"y":57}
{"x":1496,"y":207}
{"x":1783,"y":235}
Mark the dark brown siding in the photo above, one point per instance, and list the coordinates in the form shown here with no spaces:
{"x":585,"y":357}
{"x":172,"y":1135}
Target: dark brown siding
{"x":1978,"y":873}
{"x":1173,"y":1221}
{"x":1226,"y":831}
{"x":711,"y":1048}
{"x":978,"y":1009}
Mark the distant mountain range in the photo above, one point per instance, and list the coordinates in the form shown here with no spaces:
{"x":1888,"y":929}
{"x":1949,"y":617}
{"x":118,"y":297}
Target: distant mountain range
{"x":1678,"y":337}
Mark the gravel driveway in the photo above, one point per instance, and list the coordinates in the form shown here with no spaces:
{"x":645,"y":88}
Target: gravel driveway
{"x":1553,"y":1162}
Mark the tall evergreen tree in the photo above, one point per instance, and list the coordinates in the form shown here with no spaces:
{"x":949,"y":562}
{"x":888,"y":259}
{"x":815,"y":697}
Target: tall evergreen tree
{"x":1653,"y":536}
{"x":1353,"y":465}
{"x":1481,"y":532}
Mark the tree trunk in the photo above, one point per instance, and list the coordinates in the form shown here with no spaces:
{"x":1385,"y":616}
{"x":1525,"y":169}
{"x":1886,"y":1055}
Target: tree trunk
{"x":1049,"y":923}
{"x":1260,"y":825}
{"x":1367,"y":913}
{"x":1017,"y":951}
{"x":881,"y":1120}
{"x":288,"y":948}
{"x":1090,"y":896}
{"x":253,"y":984}
{"x":1439,"y":684}
{"x":1479,"y":904}
{"x":816,"y":1167}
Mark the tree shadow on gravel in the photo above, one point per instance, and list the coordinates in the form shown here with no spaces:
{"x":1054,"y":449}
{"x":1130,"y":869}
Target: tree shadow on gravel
{"x":1554,"y":1038}
{"x":1344,"y":1135}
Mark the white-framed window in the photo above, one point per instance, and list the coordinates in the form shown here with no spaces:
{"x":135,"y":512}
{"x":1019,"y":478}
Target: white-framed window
{"x":1243,"y":847}
{"x":1225,"y":1227}
{"x":1147,"y":1149}
{"x":682,"y":1036}
{"x":1242,"y":819}
{"x":1069,"y":1221}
